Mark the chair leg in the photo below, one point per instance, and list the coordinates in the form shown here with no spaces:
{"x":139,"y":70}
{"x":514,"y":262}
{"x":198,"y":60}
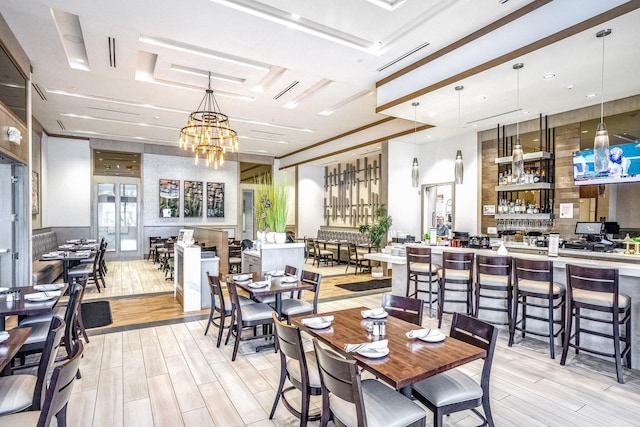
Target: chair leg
{"x":552,"y":344}
{"x":236,"y":345}
{"x":616,"y":347}
{"x":437,"y":418}
{"x":81,"y":325}
{"x":221,"y":322}
{"x":486,"y":406}
{"x":567,"y":336}
{"x":514,"y":320}
{"x":283,"y":376}
{"x":440,"y":303}
{"x":211,"y":312}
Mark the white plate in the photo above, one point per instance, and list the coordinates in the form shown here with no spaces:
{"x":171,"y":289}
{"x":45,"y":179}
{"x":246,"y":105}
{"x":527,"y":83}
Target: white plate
{"x":47,"y":287}
{"x":243,"y":278}
{"x":3,"y":290}
{"x":318,"y":325}
{"x":276,"y":273}
{"x":4,"y":335}
{"x":378,"y":316}
{"x":258,"y":285}
{"x":289,"y":279}
{"x":38,"y":297}
{"x":435,"y":336}
{"x":374,"y":353}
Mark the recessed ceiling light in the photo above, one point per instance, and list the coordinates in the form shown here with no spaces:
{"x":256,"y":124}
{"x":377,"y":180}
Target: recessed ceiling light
{"x":524,"y":112}
{"x":584,"y":131}
{"x":482,"y":98}
{"x":475,"y":125}
{"x":548,"y":76}
{"x":592,"y":95}
{"x":569,"y":87}
{"x":536,"y":140}
{"x":80,"y":60}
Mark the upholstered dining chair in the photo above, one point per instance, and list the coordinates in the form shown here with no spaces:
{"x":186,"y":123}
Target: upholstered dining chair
{"x":355,"y":259}
{"x":300,"y":368}
{"x":454,"y":391}
{"x":298,"y":306}
{"x":322,"y":254}
{"x":24,"y":391}
{"x":221,"y":304}
{"x":350,"y":401}
{"x":247,"y":316}
{"x":405,"y":308}
{"x":56,"y":397}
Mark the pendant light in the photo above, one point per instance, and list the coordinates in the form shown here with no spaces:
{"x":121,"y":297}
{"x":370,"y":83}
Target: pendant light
{"x":459,"y":165}
{"x":415,"y":168}
{"x":517,"y":159}
{"x":601,"y":141}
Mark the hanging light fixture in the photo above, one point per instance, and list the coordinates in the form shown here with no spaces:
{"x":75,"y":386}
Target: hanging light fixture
{"x":415,"y":168}
{"x":601,"y":141}
{"x":207,"y":132}
{"x":459,"y":165}
{"x":517,"y":159}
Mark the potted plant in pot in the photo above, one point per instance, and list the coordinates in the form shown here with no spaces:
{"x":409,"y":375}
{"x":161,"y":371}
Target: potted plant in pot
{"x":377,"y":233}
{"x":271,"y":200}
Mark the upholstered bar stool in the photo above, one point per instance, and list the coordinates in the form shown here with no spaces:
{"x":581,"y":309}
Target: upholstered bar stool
{"x":595,"y":290}
{"x":456,"y":276}
{"x":493,"y":283}
{"x":422,"y":275}
{"x":534,"y":279}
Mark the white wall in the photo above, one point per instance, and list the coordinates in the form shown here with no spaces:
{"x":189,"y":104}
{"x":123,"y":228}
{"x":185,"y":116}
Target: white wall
{"x":157,"y":167}
{"x":65,"y":182}
{"x":404,"y":200}
{"x":437,"y":165}
{"x":310,"y":191}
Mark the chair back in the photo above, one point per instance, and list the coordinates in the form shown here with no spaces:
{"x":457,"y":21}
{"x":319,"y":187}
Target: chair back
{"x":457,"y":261}
{"x":235,"y":302}
{"x":341,"y":378}
{"x":601,"y":280}
{"x":76,"y":292}
{"x":47,"y":360}
{"x":407,"y":309}
{"x":60,"y":387}
{"x":290,"y":271}
{"x":291,"y":347}
{"x":314,"y":280}
{"x":493,"y":265}
{"x":480,"y":334}
{"x":418,"y":254}
{"x":216,"y":294}
{"x":353,"y":251}
{"x":537,"y":270}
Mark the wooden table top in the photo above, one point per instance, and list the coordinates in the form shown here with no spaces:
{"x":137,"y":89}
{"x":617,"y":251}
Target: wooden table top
{"x":409,"y":360}
{"x":10,"y":347}
{"x":276,"y":286}
{"x":20,"y":306}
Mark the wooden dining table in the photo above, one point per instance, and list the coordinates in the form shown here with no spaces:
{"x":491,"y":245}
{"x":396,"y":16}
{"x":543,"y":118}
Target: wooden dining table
{"x":19,"y":306}
{"x":409,"y":360}
{"x":276,"y":288}
{"x":10,"y":347}
{"x":68,"y":258}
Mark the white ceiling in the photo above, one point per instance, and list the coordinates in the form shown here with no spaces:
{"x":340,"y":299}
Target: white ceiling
{"x":337,"y":47}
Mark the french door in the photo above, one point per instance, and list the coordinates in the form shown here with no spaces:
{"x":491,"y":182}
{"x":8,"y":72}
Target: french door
{"x":118,"y":215}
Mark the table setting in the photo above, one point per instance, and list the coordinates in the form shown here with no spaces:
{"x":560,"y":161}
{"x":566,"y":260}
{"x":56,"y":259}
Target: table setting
{"x":427,"y":335}
{"x":321,"y":322}
{"x":375,"y":313}
{"x":372,"y":350}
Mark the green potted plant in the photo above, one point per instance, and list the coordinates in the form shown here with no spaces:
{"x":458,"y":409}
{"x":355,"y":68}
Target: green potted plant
{"x":378,"y":230}
{"x":271,"y":204}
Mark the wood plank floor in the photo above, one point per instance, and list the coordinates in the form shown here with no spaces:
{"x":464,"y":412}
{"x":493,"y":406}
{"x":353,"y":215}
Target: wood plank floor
{"x":172,"y":375}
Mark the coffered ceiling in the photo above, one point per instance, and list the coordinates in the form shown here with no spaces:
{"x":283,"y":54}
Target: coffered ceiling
{"x":292,"y":74}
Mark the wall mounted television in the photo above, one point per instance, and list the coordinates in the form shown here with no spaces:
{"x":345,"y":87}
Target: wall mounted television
{"x":624,"y":165}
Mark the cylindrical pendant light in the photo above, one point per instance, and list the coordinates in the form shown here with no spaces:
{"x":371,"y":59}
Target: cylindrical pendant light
{"x":517,"y":160}
{"x":601,"y":141}
{"x":459,"y":164}
{"x":415,"y":168}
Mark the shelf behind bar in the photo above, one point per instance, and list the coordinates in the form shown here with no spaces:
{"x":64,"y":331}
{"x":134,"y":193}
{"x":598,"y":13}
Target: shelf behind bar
{"x":528,"y":157}
{"x":524,"y":187}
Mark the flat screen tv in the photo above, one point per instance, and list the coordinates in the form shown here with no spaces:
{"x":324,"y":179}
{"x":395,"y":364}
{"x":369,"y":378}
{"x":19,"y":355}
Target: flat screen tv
{"x":624,"y":165}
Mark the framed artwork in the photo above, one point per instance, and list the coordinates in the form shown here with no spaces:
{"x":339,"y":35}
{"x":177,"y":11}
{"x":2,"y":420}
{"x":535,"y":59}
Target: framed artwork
{"x":192,"y":199}
{"x":35,"y":193}
{"x":169,"y":198}
{"x":215,"y":199}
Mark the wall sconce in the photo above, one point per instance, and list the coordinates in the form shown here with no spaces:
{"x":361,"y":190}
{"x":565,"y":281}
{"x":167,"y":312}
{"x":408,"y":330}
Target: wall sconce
{"x":14,"y":135}
{"x":459,"y":168}
{"x":415,"y":173}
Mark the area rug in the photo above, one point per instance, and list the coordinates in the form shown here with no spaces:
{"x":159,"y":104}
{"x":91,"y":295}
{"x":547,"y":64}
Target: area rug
{"x":366,"y":286}
{"x":96,"y":314}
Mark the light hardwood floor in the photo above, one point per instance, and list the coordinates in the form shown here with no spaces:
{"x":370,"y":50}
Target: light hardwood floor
{"x":172,"y":375}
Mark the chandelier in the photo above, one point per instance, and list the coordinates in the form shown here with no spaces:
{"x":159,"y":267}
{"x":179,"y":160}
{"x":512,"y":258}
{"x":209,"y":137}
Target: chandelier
{"x":207,"y":132}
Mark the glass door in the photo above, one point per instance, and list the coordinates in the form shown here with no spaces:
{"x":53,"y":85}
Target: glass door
{"x":118,"y":216}
{"x":437,"y":204}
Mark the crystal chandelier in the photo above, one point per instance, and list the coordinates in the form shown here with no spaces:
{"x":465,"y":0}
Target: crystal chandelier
{"x":207,"y":132}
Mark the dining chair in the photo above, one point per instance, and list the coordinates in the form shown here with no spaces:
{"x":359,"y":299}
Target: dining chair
{"x":493,"y":276}
{"x":91,"y":271}
{"x":322,"y":254}
{"x":235,"y":258}
{"x":350,"y":401}
{"x":593,"y":295}
{"x":221,"y":304}
{"x":300,"y":368}
{"x":24,"y":391}
{"x":422,"y":275}
{"x":456,"y":277}
{"x":405,"y":308}
{"x":56,"y":398}
{"x":247,"y":316}
{"x":453,"y":391}
{"x":356,"y":260}
{"x":298,"y":306}
{"x":154,"y":243}
{"x":534,"y":279}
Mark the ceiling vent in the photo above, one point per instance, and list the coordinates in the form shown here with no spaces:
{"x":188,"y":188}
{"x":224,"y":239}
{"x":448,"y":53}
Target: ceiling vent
{"x":61,"y":125}
{"x":494,"y":116}
{"x":286,"y":89}
{"x":403,"y":56}
{"x":39,"y":91}
{"x":112,"y":52}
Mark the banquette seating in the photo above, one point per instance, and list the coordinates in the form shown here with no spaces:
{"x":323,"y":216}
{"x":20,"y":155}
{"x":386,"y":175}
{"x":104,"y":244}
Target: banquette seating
{"x":44,"y":271}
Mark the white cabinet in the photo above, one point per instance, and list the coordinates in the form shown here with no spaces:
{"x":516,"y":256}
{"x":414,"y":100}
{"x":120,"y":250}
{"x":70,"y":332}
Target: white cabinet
{"x":191,"y":287}
{"x":273,"y":257}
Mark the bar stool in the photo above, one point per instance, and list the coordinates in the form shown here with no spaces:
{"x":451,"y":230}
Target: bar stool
{"x":420,"y":270}
{"x":493,"y":274}
{"x":596,"y":289}
{"x":534,"y":279}
{"x":456,"y":276}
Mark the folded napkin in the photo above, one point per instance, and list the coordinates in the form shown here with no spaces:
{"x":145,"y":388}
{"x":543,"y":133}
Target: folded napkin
{"x":4,"y":335}
{"x":320,"y":319}
{"x":423,"y":333}
{"x":374,"y":312}
{"x":42,"y":295}
{"x":367,"y":346}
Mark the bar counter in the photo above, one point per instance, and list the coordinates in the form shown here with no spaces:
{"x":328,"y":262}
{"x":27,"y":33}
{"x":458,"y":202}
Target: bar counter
{"x":628,"y":267}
